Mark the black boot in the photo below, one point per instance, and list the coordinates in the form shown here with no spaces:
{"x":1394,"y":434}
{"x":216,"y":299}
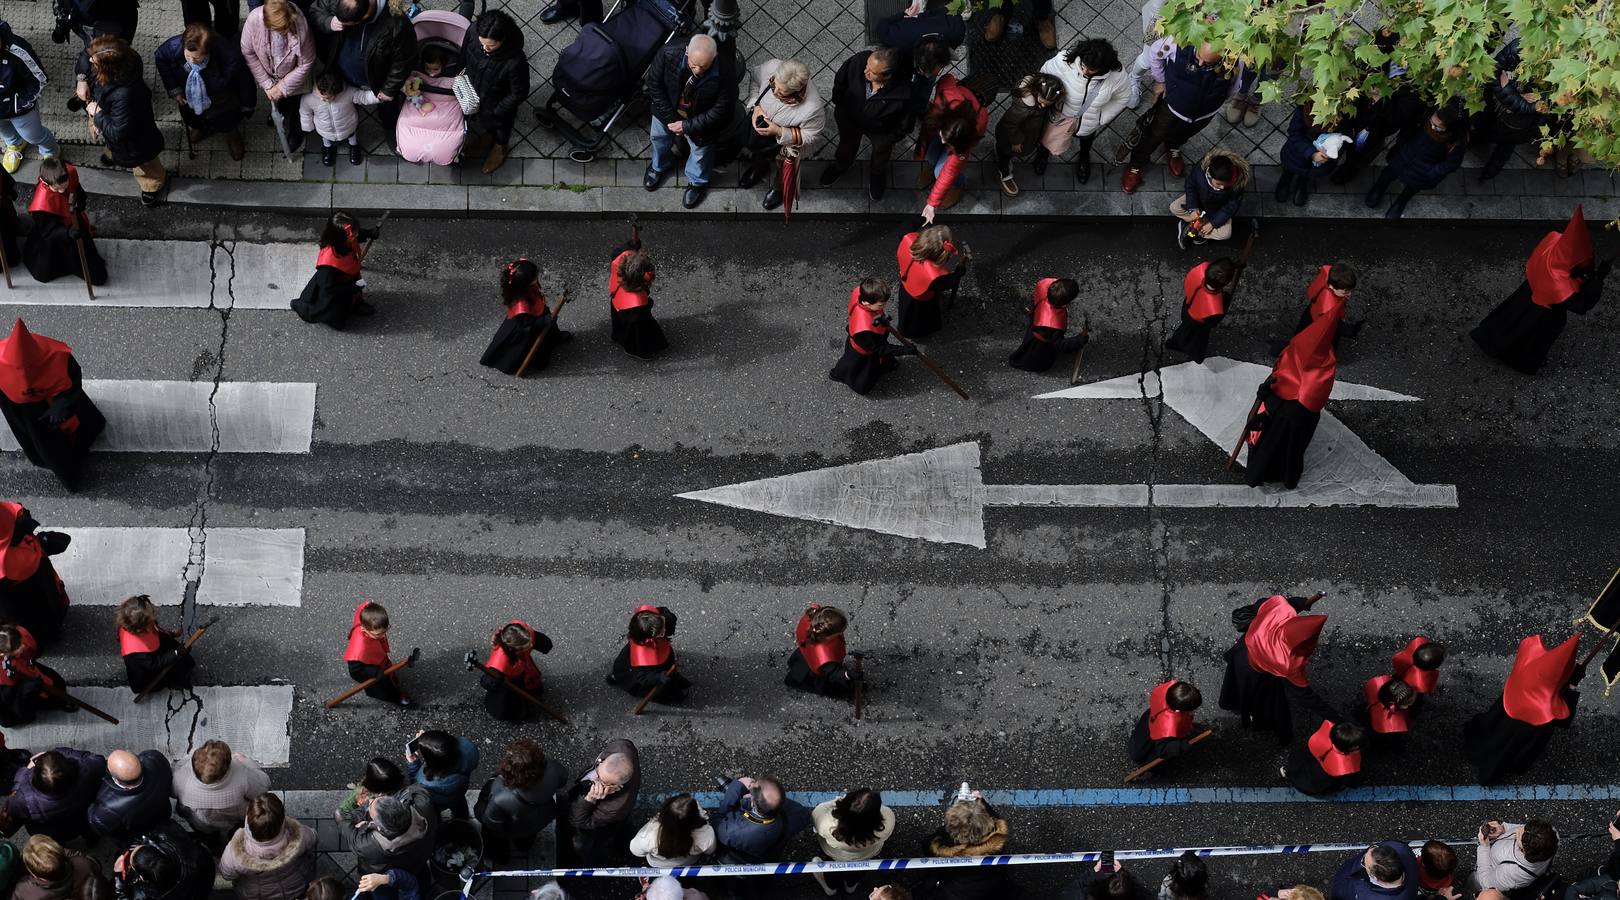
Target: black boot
{"x":1082,"y":161}
{"x":1285,"y":183}
{"x":1398,"y":208}
{"x":1042,"y":157}
{"x":1302,"y":191}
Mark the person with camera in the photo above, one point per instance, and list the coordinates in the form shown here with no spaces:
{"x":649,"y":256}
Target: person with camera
{"x":121,"y":116}
{"x":1513,"y":856}
{"x":787,"y":119}
{"x":22,"y":83}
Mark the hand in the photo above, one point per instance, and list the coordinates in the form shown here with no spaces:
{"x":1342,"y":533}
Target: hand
{"x":385,"y":98}
{"x":1493,"y":829}
{"x":1205,"y":229}
{"x":928,"y":214}
{"x":1285,"y":893}
{"x":748,"y":782}
{"x":1320,"y":157}
{"x":1158,"y":89}
{"x":92,"y":109}
{"x":676,"y":127}
{"x":83,"y":90}
{"x":1504,"y":78}
{"x":1450,"y":892}
{"x":335,"y":24}
{"x":1018,"y":149}
{"x":180,"y":100}
{"x":916,"y":8}
{"x":274,"y":93}
{"x":362,"y":798}
{"x":369,"y":883}
{"x":599,"y":792}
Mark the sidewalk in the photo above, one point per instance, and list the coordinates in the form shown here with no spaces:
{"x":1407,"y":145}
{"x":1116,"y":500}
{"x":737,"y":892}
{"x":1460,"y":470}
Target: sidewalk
{"x":539,"y":177}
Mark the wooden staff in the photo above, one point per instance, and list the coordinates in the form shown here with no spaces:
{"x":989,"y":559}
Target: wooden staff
{"x":84,"y":261}
{"x":550,"y":327}
{"x":1243,"y":260}
{"x":63,"y":696}
{"x":1243,"y":435}
{"x":642,"y":706}
{"x":366,"y":248}
{"x":164,"y":672}
{"x":473,"y":663}
{"x":1080,"y":355}
{"x":388,"y":673}
{"x":1142,"y":770}
{"x":930,"y":364}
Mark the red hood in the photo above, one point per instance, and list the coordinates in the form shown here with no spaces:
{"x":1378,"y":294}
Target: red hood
{"x":33,"y":368}
{"x":1534,"y":693}
{"x":1305,"y":370}
{"x":1280,"y":641}
{"x":1549,"y":266}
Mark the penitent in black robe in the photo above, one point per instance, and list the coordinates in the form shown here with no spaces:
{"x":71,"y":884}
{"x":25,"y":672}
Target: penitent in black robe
{"x":1042,"y":346}
{"x":919,"y":318}
{"x":513,"y":340}
{"x":636,"y":330}
{"x":1192,"y":336}
{"x":639,"y":680}
{"x":1521,"y":332}
{"x":861,"y":371}
{"x":1141,"y":745}
{"x":63,"y":447}
{"x":50,"y":251}
{"x":143,"y":668}
{"x":1263,"y":701}
{"x":1501,"y":746}
{"x":1286,"y":429}
{"x":328,"y":298}
{"x":38,"y":603}
{"x":1304,"y":771}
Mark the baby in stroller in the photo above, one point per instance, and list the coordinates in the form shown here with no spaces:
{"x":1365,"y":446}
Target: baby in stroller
{"x":431,"y":127}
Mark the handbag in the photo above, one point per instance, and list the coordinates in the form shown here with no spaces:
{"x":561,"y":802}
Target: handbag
{"x":466,"y":94}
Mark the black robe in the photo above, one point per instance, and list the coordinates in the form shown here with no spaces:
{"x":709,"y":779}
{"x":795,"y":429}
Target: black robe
{"x":1286,"y":431}
{"x":1501,"y":746}
{"x":50,"y":252}
{"x":512,"y":341}
{"x":1042,"y":346}
{"x":10,"y":225}
{"x":21,"y":702}
{"x":142,"y":668}
{"x":1142,"y":747}
{"x":50,"y":446}
{"x":636,"y":330}
{"x":920,"y":318}
{"x":328,"y":298}
{"x":1264,"y":702}
{"x":1521,"y":333}
{"x":1192,"y":336}
{"x":861,"y":371}
{"x":501,"y":701}
{"x":639,"y":680}
{"x":836,"y":679}
{"x":383,"y":690}
{"x":1306,"y":774}
{"x":38,"y":603}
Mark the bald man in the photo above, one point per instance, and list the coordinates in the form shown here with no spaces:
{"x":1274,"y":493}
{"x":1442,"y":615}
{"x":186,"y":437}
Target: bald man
{"x":594,"y":820}
{"x":134,"y":796}
{"x":693,"y":92}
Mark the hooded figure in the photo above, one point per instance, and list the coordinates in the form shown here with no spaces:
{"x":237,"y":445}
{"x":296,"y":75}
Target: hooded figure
{"x":1266,"y":668}
{"x":1539,"y":696}
{"x":1559,"y":278}
{"x":42,"y":396}
{"x":1290,"y":405}
{"x":60,"y":228}
{"x":31,"y":593}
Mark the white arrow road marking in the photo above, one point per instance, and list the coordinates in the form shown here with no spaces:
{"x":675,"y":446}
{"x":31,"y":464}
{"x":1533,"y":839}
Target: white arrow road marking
{"x":241,"y":567}
{"x":168,"y":274}
{"x":253,"y":720}
{"x":1215,"y":398}
{"x":174,"y":416}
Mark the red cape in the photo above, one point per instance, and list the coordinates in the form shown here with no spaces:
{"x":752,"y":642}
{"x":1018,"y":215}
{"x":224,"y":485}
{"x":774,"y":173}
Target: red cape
{"x":1201,"y":303}
{"x":1164,"y":722}
{"x":1421,"y":680}
{"x":18,"y":562}
{"x":1334,"y":762}
{"x":1280,"y":641}
{"x":1534,"y":693}
{"x":1306,"y":367}
{"x":1548,"y":269}
{"x":33,"y":369}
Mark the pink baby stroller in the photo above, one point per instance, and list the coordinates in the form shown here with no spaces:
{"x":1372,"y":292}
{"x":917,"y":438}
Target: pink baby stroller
{"x":431,"y":127}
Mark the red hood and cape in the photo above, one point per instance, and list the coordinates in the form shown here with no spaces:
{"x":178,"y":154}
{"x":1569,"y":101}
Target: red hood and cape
{"x":1550,"y":265}
{"x":1534,"y":693}
{"x":1306,"y":367}
{"x":1201,"y":302}
{"x":33,"y":369}
{"x":1280,"y":641}
{"x":19,"y":561}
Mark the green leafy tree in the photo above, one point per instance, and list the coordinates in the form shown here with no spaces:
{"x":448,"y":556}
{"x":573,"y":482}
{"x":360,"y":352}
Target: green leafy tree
{"x":1328,"y":53}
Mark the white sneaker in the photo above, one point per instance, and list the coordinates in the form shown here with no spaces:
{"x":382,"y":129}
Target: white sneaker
{"x":1136,"y":94}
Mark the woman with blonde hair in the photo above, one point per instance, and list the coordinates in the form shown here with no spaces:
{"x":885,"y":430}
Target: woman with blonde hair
{"x":279,"y":48}
{"x":930,"y":264}
{"x":972,"y":828}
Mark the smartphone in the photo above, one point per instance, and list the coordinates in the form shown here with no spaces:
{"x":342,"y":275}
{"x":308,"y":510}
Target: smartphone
{"x":1107,"y":862}
{"x":759,"y":122}
{"x":412,"y":748}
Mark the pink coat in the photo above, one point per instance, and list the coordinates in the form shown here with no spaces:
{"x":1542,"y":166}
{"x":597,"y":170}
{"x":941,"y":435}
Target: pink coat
{"x":292,"y":69}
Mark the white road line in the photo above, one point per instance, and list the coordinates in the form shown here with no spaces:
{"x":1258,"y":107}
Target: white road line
{"x":253,"y":720}
{"x":174,"y":416}
{"x":241,"y":566}
{"x":178,"y":274}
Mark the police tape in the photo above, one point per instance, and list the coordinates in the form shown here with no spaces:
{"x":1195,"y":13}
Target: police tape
{"x":919,"y":863}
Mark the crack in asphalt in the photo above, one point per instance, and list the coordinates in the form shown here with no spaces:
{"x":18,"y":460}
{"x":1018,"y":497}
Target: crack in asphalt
{"x":1153,"y":333}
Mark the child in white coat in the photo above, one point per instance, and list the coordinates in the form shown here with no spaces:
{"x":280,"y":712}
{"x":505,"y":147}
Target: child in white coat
{"x":330,"y":112}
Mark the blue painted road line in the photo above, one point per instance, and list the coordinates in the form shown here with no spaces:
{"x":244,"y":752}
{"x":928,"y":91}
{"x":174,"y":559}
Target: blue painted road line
{"x":1061,"y":798}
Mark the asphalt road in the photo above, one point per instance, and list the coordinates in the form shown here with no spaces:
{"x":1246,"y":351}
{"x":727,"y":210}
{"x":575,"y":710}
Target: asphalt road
{"x":461,"y":498}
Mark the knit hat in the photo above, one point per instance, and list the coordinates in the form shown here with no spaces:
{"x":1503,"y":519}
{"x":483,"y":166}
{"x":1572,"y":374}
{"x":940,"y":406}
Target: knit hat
{"x":392,"y":816}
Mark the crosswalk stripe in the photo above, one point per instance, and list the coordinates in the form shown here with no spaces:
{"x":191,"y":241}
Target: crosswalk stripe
{"x":253,"y":720}
{"x":174,"y":416}
{"x":179,"y":274}
{"x":241,"y":566}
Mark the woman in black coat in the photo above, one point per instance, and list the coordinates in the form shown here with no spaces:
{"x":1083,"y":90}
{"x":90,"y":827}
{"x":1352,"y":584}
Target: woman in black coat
{"x":516,"y":805}
{"x":210,"y":82}
{"x":493,"y":58}
{"x":121,"y":108}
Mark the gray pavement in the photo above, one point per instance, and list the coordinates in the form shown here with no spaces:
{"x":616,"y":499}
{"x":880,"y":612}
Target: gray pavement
{"x":540,"y":178}
{"x":461,"y":498}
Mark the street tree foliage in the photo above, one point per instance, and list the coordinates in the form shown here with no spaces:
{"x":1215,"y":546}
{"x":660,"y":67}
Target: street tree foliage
{"x":1330,"y":52}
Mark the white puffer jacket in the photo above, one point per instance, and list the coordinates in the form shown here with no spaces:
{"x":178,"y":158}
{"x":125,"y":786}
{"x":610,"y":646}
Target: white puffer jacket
{"x":1094,"y":101}
{"x":337,"y":120}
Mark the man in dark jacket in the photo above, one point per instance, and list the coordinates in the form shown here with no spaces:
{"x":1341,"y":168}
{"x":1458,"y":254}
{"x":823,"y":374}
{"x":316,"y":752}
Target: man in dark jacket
{"x":693,"y":92}
{"x":398,"y":833}
{"x":1513,"y":112}
{"x":53,"y":794}
{"x":1605,"y":881}
{"x":756,"y":820}
{"x":1192,"y":84}
{"x":596,"y":808}
{"x":134,"y":796}
{"x":22,"y":81}
{"x":371,"y":44}
{"x":871,"y":97}
{"x":1384,"y":871}
{"x":167,"y":864}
